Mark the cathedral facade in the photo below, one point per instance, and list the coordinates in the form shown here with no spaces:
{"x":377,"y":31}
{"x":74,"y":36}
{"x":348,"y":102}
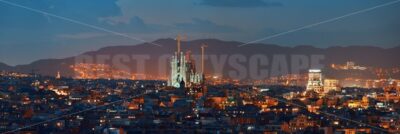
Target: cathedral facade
{"x":183,"y":70}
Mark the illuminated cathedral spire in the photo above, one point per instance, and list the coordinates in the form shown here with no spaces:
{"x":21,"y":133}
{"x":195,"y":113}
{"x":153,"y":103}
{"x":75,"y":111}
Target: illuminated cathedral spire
{"x":183,"y":69}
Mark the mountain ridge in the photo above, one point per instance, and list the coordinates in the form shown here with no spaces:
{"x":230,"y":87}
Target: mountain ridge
{"x":364,"y":55}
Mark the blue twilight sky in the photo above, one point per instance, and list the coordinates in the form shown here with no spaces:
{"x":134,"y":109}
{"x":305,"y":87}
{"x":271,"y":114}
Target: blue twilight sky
{"x":26,"y":36}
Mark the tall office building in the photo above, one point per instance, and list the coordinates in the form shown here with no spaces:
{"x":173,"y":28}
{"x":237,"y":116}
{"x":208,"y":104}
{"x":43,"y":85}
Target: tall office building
{"x":58,"y":76}
{"x":183,"y":70}
{"x":331,"y":85}
{"x":350,"y":65}
{"x":315,"y":82}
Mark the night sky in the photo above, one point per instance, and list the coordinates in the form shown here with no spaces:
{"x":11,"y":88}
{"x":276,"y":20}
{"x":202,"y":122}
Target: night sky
{"x":26,"y":36}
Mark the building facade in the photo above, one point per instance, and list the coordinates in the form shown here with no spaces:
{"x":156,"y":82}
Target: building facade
{"x":331,"y":85}
{"x":183,"y":70}
{"x":315,"y":82}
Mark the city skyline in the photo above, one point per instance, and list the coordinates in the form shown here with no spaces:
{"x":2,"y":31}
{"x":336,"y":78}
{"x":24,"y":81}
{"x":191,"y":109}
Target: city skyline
{"x":199,"y":66}
{"x":143,"y":20}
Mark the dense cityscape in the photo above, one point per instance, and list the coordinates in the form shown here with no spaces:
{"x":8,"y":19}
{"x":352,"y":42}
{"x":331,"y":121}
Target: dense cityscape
{"x":129,"y":106}
{"x":191,"y":102}
{"x":199,"y":67}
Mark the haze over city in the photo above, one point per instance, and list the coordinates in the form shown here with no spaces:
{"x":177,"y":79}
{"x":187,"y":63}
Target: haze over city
{"x":28,"y":36}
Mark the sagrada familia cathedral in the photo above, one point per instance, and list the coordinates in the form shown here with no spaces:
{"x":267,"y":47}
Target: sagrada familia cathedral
{"x":183,"y":70}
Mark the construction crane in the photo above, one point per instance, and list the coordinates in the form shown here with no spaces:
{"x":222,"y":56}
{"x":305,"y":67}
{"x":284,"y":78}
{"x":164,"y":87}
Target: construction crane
{"x":203,"y":46}
{"x":179,"y":38}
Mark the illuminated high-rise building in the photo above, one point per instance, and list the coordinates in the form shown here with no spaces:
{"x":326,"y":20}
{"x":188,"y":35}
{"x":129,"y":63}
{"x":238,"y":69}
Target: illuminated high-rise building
{"x":58,"y":76}
{"x":315,"y":82}
{"x":331,"y":85}
{"x":183,"y":69}
{"x":350,"y":65}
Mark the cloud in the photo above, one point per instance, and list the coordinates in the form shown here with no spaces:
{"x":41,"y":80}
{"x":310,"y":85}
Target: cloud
{"x":240,"y":3}
{"x":81,"y":35}
{"x":82,"y":10}
{"x":34,"y":27}
{"x":134,"y":25}
{"x":205,"y":26}
{"x":137,"y":25}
